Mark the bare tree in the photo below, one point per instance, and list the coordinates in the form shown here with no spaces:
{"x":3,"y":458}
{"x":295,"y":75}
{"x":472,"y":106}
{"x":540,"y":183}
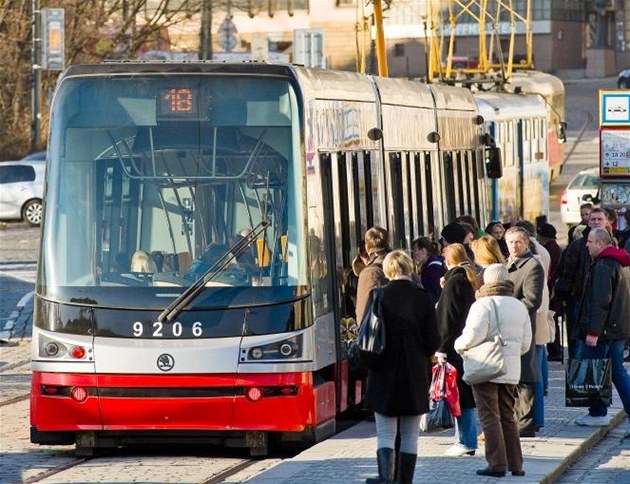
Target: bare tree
{"x":95,"y":30}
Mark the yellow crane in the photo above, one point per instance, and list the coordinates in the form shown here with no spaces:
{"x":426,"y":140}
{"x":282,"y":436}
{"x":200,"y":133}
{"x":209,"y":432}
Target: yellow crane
{"x":488,"y":18}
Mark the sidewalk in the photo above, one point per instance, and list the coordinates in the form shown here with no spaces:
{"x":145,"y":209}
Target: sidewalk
{"x":351,"y":455}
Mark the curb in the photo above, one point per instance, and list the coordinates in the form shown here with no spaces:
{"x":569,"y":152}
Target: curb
{"x":583,"y":448}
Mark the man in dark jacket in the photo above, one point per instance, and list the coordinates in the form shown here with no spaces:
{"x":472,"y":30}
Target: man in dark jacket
{"x":528,"y":277}
{"x":604,"y":318}
{"x":572,"y":273}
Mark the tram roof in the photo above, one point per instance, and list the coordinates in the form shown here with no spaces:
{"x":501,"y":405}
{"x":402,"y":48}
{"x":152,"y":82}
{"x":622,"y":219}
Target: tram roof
{"x":495,"y":106}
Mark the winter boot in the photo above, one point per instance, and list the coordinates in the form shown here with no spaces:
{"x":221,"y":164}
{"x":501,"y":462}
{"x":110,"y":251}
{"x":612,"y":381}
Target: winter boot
{"x":386,"y":464}
{"x":406,"y":467}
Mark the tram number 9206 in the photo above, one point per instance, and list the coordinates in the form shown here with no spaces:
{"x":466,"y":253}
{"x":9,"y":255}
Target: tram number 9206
{"x":161,"y":330}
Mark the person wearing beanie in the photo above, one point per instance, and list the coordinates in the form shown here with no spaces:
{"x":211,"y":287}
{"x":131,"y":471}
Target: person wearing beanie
{"x":453,"y":233}
{"x":497,"y":399}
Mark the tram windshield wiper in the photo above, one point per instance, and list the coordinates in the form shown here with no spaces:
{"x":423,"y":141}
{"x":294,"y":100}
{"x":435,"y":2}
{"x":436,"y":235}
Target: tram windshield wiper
{"x":190,"y":294}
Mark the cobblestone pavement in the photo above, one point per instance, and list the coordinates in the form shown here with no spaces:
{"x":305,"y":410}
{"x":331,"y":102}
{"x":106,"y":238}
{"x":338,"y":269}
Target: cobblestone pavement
{"x":606,"y":463}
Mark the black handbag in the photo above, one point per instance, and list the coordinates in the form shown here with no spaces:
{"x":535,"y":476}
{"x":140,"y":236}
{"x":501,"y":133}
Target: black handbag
{"x":588,"y":382}
{"x":370,"y":342}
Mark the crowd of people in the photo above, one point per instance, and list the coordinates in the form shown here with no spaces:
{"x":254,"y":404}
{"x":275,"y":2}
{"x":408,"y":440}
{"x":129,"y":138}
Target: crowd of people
{"x":445,"y":296}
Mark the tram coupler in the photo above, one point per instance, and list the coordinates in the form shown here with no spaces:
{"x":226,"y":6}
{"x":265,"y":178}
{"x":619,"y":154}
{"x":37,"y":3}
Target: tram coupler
{"x":257,"y":443}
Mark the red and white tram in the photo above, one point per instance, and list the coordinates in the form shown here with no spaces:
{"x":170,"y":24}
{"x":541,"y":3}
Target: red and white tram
{"x":250,"y":186}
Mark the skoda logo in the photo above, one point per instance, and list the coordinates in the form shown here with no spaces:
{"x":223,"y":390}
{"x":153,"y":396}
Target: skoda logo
{"x":165,"y":362}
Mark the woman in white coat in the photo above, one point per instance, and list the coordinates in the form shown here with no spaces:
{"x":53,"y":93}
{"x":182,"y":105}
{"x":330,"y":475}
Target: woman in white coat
{"x":496,"y":399}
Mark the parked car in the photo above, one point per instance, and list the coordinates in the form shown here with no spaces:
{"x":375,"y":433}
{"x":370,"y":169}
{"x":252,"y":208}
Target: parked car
{"x":623,"y":82}
{"x":22,"y":190}
{"x":586,"y":182}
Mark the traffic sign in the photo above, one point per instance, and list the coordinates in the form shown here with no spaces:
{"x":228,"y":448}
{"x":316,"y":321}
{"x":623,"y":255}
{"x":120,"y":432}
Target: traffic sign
{"x":614,"y":108}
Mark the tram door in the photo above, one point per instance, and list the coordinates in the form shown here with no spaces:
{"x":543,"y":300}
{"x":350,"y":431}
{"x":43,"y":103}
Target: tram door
{"x":348,"y":212}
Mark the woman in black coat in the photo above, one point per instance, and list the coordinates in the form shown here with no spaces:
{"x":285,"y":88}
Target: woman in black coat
{"x":398,"y":388}
{"x":457,"y":296}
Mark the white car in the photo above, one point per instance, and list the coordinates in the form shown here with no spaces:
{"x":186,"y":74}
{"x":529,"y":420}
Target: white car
{"x":22,"y":190}
{"x":586,"y":182}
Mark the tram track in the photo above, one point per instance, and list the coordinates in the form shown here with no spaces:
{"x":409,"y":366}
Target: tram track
{"x":145,"y":468}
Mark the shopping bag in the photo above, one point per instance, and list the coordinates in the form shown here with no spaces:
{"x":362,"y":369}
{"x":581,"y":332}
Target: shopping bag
{"x":588,"y":382}
{"x":370,"y":342}
{"x":450,"y":392}
{"x":439,"y":417}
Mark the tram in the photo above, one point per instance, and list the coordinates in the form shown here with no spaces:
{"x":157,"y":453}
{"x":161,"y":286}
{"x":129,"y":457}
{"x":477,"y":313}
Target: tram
{"x":550,"y":90}
{"x":252,"y":185}
{"x":518,"y":125}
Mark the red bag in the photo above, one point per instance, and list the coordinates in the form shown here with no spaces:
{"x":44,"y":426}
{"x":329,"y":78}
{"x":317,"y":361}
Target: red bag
{"x":450,"y":393}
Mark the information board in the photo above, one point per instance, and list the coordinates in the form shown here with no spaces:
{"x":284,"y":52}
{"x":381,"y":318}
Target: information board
{"x":614,"y":152}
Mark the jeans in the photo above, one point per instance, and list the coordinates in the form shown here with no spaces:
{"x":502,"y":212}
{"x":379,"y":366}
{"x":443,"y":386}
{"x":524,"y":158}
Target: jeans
{"x":539,"y":387}
{"x":466,"y":428}
{"x":620,"y":378}
{"x":387,"y":426}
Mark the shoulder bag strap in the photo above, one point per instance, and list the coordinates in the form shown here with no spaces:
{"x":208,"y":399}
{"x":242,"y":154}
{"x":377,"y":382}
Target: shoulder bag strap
{"x":496,"y":318}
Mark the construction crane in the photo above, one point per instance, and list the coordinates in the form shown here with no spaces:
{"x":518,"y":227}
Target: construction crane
{"x":445,"y":17}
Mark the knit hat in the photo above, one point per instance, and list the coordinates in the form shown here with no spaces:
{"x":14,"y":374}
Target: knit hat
{"x":495,"y":273}
{"x":454,"y":233}
{"x":547,"y":230}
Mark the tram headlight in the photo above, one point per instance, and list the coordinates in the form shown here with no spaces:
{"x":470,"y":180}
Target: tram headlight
{"x":278,"y":350}
{"x":51,"y":349}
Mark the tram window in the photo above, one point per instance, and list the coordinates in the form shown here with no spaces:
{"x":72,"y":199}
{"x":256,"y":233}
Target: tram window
{"x":361,"y":191}
{"x":476,"y":179}
{"x":369,"y":190}
{"x":470,"y":181}
{"x":340,"y":182}
{"x":408,"y":206}
{"x":379,"y":212}
{"x":428,"y":190}
{"x":449,"y":186}
{"x":460,"y":180}
{"x":396,"y":184}
{"x":353,"y":202}
{"x":417,"y":194}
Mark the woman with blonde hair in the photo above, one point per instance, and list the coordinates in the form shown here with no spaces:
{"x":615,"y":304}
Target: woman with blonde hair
{"x":487,"y":252}
{"x":458,"y":295}
{"x":398,"y":388}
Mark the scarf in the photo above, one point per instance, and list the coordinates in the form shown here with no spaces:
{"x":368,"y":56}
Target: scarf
{"x":500,"y":288}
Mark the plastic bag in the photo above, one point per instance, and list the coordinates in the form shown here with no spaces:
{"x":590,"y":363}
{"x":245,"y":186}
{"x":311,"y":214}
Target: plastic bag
{"x":588,"y":382}
{"x":451,"y":392}
{"x":439,"y":416}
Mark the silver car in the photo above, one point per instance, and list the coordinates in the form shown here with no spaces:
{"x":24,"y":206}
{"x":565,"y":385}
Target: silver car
{"x":22,"y":190}
{"x":586,"y":182}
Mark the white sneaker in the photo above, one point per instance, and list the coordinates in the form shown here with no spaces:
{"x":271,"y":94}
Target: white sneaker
{"x":590,"y":421}
{"x":458,"y":450}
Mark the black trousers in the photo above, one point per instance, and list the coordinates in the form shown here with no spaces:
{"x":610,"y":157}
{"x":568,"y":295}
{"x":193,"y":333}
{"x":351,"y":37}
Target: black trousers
{"x":525,"y":408}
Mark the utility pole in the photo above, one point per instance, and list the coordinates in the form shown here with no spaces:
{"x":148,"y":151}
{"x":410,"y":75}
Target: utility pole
{"x":35,"y":74}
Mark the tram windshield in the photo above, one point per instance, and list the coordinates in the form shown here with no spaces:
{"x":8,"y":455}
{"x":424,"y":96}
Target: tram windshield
{"x":154,"y":180}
